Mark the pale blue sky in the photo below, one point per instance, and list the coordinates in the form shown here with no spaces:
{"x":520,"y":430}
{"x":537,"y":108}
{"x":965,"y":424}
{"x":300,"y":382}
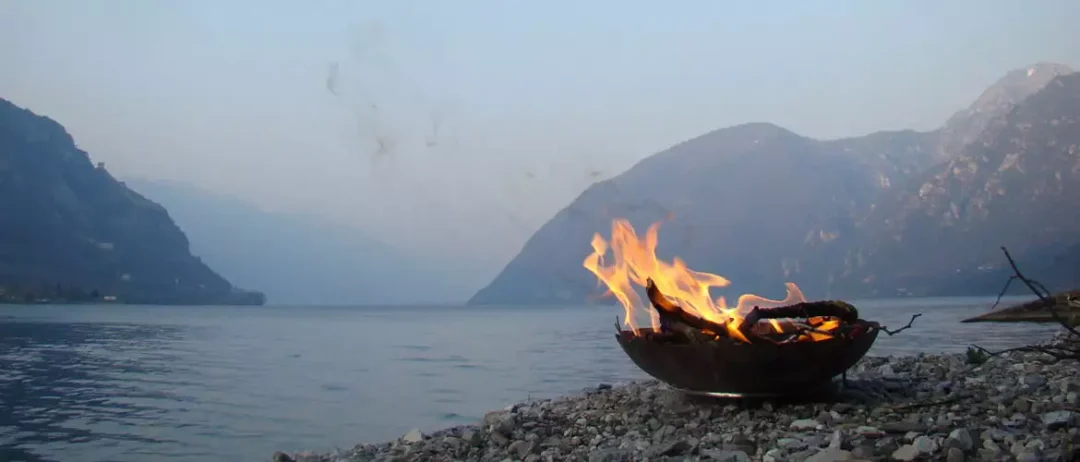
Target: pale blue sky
{"x":492,"y":114}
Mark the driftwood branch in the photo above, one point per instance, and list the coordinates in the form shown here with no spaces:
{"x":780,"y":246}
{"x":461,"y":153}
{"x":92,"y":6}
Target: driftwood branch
{"x":1040,"y":291}
{"x":901,"y":329}
{"x":1068,"y":348}
{"x":1002,"y":293}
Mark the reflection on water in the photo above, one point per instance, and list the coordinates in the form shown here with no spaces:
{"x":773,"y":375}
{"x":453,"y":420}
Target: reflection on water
{"x":123,"y":383}
{"x":65,"y":384}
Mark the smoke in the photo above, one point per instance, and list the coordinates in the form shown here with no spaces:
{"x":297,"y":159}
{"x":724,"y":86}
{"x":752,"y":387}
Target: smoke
{"x":332,"y":79}
{"x":366,"y":83}
{"x":392,"y":118}
{"x":403,"y":126}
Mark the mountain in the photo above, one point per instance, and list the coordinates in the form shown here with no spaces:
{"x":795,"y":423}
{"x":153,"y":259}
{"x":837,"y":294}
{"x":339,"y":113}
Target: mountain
{"x":299,"y":259}
{"x":70,"y":232}
{"x":761,"y":205}
{"x":736,"y":214}
{"x":1016,"y":184}
{"x":966,"y":126}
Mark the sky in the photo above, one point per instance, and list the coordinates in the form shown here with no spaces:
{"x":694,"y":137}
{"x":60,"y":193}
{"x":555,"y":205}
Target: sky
{"x":456,"y":129}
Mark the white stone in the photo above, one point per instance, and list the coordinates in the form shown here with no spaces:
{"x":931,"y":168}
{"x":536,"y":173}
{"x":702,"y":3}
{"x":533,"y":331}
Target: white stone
{"x":413,"y":436}
{"x":925,"y":445}
{"x":830,"y":455}
{"x":806,"y":424}
{"x":905,"y":452}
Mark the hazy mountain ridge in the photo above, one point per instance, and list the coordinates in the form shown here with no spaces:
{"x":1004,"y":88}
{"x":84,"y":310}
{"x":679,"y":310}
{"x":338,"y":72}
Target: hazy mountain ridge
{"x":761,"y":205}
{"x":967,"y":125}
{"x":798,"y":184}
{"x":299,"y":259}
{"x":70,"y":231}
{"x":1017,"y":184}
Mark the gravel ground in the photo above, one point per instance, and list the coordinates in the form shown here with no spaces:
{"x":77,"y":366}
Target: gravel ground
{"x":1015,"y":406}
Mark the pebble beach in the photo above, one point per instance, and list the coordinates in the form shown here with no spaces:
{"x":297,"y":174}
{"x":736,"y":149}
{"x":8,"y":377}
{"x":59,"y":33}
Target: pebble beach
{"x":957,"y":407}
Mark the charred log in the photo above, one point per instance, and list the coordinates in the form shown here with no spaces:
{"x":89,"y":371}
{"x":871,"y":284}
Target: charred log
{"x":812,"y":312}
{"x":806,"y":310}
{"x":674,"y":319}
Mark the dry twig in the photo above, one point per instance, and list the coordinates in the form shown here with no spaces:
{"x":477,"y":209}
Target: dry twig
{"x":901,"y":329}
{"x":956,"y":398}
{"x":1068,"y":348}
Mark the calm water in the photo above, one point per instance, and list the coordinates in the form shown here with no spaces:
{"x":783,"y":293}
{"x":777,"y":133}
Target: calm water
{"x":129,"y":383}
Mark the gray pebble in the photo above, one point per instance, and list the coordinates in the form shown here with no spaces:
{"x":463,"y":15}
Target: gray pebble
{"x":925,"y":445}
{"x":905,"y":452}
{"x":954,"y":455}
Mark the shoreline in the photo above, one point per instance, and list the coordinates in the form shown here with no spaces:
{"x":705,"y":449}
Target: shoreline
{"x":944,"y":407}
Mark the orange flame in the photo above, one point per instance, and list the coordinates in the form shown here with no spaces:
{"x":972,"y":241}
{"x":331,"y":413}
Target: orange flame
{"x":634,"y":262}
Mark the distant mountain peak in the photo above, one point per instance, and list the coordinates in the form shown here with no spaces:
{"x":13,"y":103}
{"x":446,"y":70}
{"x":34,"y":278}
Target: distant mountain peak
{"x":1055,"y":69}
{"x":1017,"y":85}
{"x":757,"y":130}
{"x":751,"y":132}
{"x":997,"y":100}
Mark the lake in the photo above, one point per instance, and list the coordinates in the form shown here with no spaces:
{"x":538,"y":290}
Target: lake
{"x":133,"y":383}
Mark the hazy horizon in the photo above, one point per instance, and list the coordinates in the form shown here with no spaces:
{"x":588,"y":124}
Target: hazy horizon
{"x":457,"y":130}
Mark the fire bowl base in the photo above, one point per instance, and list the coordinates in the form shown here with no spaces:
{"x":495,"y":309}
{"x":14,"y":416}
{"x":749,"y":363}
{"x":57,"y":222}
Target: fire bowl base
{"x":822,"y":390}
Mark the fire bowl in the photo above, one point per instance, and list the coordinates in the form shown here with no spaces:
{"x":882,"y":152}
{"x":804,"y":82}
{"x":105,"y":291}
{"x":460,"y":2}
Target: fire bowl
{"x":731,"y":368}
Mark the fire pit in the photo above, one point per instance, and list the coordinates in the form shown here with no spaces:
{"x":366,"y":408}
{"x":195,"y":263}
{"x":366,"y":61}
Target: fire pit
{"x":759,"y":347}
{"x":730,"y":369}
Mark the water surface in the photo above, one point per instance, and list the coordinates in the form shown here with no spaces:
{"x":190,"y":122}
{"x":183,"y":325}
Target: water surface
{"x":133,"y":383}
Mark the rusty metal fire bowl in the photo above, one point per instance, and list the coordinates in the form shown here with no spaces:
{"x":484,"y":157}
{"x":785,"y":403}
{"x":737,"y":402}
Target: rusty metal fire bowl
{"x":731,"y":368}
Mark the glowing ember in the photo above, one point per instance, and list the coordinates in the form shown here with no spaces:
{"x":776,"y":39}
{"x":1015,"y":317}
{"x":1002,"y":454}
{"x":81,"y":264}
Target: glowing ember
{"x":634,"y":263}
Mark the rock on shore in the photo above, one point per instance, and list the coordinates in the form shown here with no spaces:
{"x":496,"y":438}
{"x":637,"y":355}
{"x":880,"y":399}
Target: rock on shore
{"x":1011,"y":407}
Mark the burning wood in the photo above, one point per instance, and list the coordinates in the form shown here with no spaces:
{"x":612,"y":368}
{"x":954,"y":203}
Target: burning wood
{"x":819,"y":321}
{"x":682,"y":301}
{"x":702,"y":345}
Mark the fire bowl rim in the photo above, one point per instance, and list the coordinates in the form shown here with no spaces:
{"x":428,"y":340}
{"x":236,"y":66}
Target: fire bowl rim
{"x":870,"y":328}
{"x":705,"y":372}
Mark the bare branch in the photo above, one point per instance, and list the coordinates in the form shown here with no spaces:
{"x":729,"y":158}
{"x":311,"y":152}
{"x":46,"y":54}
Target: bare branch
{"x":950,"y":400}
{"x":1056,"y":352}
{"x":1002,"y":293}
{"x":1068,"y":348}
{"x":901,"y":329}
{"x":1041,"y":292}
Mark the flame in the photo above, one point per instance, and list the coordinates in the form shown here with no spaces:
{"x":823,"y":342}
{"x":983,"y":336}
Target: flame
{"x":634,"y":262}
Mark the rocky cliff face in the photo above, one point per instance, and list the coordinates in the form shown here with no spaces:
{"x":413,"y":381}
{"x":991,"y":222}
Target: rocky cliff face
{"x":761,"y":205}
{"x":1017,"y":85}
{"x":1016,"y":184}
{"x":69,"y":230}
